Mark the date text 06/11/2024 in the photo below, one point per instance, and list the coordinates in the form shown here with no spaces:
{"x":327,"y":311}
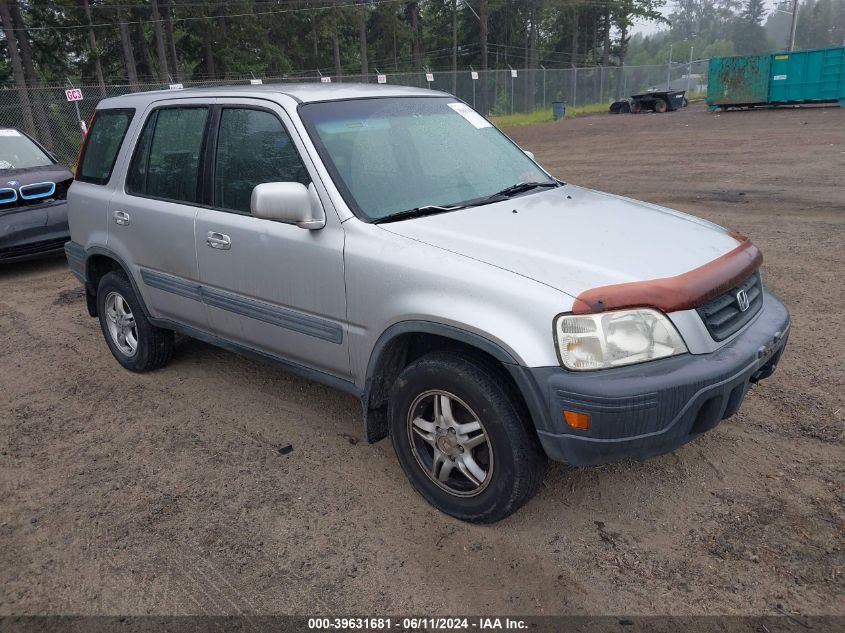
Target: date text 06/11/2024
{"x":412,"y":624}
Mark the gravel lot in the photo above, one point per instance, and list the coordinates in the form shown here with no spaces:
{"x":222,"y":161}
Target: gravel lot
{"x":167,"y":492}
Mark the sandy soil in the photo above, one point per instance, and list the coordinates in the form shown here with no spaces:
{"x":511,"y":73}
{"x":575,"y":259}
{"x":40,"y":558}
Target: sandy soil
{"x":167,"y":493}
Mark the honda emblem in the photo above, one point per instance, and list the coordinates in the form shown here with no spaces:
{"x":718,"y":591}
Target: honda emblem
{"x":742,"y":300}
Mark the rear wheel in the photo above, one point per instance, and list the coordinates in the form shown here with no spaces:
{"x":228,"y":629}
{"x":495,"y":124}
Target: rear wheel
{"x":135,"y":342}
{"x":636,"y":107}
{"x":463,"y":439}
{"x":660,"y":106}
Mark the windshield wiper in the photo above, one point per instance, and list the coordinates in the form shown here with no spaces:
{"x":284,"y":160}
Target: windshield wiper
{"x":522,"y":187}
{"x":419,"y":212}
{"x":433,"y":209}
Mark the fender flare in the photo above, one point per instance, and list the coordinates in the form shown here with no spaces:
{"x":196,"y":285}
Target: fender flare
{"x":105,"y":252}
{"x":375,"y":419}
{"x":432,"y":327}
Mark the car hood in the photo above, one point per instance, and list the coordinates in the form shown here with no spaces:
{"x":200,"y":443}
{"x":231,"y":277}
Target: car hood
{"x":574,"y":239}
{"x":30,"y":175}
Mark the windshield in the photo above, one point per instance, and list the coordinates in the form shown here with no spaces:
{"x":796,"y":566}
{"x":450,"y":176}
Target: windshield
{"x":397,"y":154}
{"x":18,"y":152}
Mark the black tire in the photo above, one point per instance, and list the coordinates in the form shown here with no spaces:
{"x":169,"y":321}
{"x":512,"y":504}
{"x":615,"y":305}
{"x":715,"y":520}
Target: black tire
{"x":636,"y":107}
{"x":660,"y":106}
{"x":515,"y":460}
{"x":154,"y":346}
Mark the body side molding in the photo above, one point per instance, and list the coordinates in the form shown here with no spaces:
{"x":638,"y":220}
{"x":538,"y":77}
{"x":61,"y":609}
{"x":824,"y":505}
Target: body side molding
{"x":244,"y":306}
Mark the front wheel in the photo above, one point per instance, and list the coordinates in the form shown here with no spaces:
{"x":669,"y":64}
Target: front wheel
{"x":463,"y":439}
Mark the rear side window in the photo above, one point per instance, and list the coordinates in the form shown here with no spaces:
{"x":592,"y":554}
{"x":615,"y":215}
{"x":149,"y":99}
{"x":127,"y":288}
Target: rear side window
{"x":253,"y":147}
{"x":166,"y":160}
{"x":102,"y":145}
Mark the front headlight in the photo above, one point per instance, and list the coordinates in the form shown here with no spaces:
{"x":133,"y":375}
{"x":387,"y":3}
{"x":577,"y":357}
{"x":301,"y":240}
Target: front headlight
{"x":612,"y":339}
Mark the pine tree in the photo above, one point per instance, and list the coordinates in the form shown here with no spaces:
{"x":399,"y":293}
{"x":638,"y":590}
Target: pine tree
{"x":749,"y":33}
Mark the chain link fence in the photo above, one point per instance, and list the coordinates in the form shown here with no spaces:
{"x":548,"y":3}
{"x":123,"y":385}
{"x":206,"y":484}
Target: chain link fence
{"x":46,"y":114}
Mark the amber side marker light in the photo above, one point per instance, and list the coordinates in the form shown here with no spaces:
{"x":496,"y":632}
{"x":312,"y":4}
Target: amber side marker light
{"x":576,"y":420}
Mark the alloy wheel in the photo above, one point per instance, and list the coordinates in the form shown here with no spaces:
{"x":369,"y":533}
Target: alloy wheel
{"x":121,"y":324}
{"x":450,"y":443}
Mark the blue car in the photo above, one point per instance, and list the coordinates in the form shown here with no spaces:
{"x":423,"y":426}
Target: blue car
{"x":33,"y":199}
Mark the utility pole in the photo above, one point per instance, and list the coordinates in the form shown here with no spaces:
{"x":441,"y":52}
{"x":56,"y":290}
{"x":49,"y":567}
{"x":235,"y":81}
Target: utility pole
{"x":454,"y":46}
{"x":512,"y":74}
{"x":689,"y":67}
{"x":482,"y":35}
{"x":793,"y":25}
{"x":544,"y":84}
{"x":669,"y":69}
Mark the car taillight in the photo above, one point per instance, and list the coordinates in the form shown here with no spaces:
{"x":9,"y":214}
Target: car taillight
{"x":81,"y":151}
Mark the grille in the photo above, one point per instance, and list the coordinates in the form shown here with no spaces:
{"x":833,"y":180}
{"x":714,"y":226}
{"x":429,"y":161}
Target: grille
{"x":34,"y":195}
{"x":722,"y":316}
{"x":8,"y":195}
{"x":37,"y":190}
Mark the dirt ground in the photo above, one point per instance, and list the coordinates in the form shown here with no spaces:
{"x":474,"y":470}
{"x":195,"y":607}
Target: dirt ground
{"x":167,"y":493}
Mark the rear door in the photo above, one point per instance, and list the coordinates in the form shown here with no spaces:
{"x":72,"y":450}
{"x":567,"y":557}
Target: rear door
{"x":94,"y":184}
{"x":273,"y":287}
{"x":152,"y":216}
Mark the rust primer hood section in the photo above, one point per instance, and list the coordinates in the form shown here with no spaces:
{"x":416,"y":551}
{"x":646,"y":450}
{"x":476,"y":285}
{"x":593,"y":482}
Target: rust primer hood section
{"x":683,"y":292}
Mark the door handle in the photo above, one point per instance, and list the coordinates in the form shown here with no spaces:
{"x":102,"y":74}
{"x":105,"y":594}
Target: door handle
{"x":121,"y":218}
{"x":218,"y":240}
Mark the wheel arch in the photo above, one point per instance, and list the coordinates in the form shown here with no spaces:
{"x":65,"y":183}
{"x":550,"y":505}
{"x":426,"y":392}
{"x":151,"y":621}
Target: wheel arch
{"x":99,"y":262}
{"x":404,"y":342}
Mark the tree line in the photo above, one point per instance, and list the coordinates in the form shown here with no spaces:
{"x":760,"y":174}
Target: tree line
{"x":732,"y":27}
{"x":167,"y":41}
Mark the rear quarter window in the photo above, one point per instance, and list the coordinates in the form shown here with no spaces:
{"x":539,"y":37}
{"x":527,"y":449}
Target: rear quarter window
{"x":102,"y":144}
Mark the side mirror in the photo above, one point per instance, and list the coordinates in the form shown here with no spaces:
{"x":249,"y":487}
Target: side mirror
{"x":288,"y":202}
{"x":529,"y":154}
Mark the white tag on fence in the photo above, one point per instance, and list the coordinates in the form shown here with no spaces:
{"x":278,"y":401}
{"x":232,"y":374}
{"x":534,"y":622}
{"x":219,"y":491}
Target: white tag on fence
{"x":325,"y":80}
{"x":382,"y":79}
{"x":429,"y":77}
{"x":255,"y":82}
{"x":513,"y":73}
{"x":73,"y":94}
{"x":474,"y":74}
{"x":176,"y":86}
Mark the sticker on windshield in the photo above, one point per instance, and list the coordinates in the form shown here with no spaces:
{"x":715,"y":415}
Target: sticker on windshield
{"x":9,"y":133}
{"x":470,"y":115}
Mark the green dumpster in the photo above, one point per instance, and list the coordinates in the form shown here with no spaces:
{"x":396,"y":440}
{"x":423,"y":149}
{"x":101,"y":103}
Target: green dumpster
{"x":738,"y":81}
{"x":811,"y":76}
{"x":801,"y":76}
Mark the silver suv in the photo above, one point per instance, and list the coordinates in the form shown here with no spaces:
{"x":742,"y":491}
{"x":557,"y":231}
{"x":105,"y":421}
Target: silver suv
{"x":392,"y":243}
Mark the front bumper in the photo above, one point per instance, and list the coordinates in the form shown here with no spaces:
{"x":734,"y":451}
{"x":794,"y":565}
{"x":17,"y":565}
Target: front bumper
{"x":28,"y":232}
{"x":655,"y":407}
